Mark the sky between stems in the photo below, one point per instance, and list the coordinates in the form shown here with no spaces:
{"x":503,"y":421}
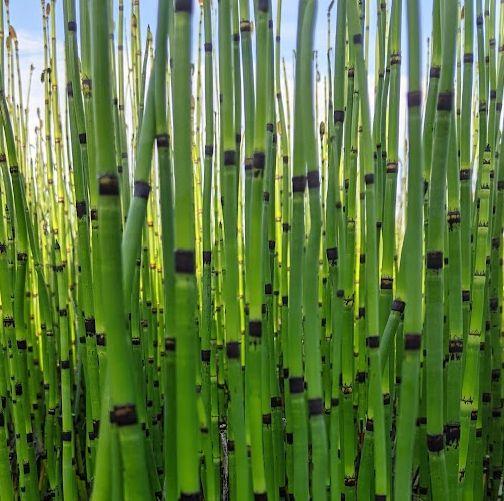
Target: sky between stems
{"x":26,"y":18}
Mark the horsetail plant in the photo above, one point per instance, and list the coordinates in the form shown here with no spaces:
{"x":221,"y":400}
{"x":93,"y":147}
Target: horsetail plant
{"x":224,"y":275}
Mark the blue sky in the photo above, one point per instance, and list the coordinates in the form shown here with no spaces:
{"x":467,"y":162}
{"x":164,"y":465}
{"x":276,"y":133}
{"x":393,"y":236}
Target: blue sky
{"x":29,"y":28}
{"x":29,"y":23}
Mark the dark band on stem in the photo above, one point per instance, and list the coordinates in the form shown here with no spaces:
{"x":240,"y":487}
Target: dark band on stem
{"x":435,"y":443}
{"x":369,"y":178}
{"x":494,"y":304}
{"x":258,"y":160}
{"x":255,"y":328}
{"x":263,"y":5}
{"x":108,"y":184}
{"x":183,"y":6}
{"x":141,"y":189}
{"x":313,"y":179}
{"x":414,"y":98}
{"x":445,"y":101}
{"x":26,"y":464}
{"x":245,"y":26}
{"x":395,"y":58}
{"x":230,"y":157}
{"x":349,"y":482}
{"x":412,"y":341}
{"x":276,"y":402}
{"x":124,"y":415}
{"x":81,"y":209}
{"x":8,"y":322}
{"x":339,"y":116}
{"x":434,"y":260}
{"x":357,"y":39}
{"x":315,"y":406}
{"x":184,"y":496}
{"x":170,"y":344}
{"x":90,"y":326}
{"x":391,"y":168}
{"x":208,"y":47}
{"x":332,"y":255}
{"x":207,"y":257}
{"x":373,"y":341}
{"x":434,"y":72}
{"x":296,"y":385}
{"x":452,"y":433}
{"x":455,"y":346}
{"x":163,"y":140}
{"x":298,"y":184}
{"x":386,"y":283}
{"x":453,"y":217}
{"x":289,"y":438}
{"x":205,"y":356}
{"x":184,"y":261}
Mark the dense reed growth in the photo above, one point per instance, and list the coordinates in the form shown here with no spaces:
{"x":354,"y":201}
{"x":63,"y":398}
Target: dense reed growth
{"x":224,"y":275}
